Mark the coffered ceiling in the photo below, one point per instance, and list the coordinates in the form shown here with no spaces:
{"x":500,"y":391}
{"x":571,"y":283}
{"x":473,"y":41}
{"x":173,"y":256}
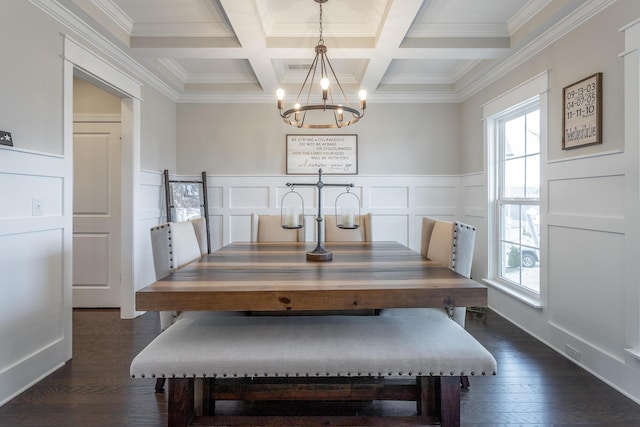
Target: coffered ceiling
{"x":398,"y":50}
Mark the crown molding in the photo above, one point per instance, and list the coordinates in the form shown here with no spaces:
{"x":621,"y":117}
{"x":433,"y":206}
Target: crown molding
{"x":103,"y":46}
{"x":585,"y":12}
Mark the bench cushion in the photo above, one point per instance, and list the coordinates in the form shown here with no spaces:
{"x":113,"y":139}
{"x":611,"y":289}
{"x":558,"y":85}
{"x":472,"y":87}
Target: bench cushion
{"x":313,"y":346}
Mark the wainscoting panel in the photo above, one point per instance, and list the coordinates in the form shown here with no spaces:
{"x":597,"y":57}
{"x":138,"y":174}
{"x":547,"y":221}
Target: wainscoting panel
{"x":597,"y":317}
{"x":389,"y":197}
{"x":392,"y":201}
{"x":215,"y":196}
{"x":599,"y":196}
{"x":239,"y":228}
{"x":391,"y":228}
{"x":428,"y":197}
{"x":249,"y":197}
{"x":48,"y":189}
{"x":35,"y":308}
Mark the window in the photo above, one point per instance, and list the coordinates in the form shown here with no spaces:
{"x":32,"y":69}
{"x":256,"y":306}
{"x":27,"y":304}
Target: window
{"x":518,"y":196}
{"x":516,"y":141}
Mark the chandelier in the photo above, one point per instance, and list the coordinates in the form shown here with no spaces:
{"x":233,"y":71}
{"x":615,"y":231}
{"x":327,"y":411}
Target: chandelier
{"x":329,"y":112}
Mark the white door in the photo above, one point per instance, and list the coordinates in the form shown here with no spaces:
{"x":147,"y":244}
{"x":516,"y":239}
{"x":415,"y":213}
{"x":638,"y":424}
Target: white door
{"x":96,"y":214}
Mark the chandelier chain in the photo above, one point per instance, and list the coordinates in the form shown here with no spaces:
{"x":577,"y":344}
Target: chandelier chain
{"x":321,"y":40}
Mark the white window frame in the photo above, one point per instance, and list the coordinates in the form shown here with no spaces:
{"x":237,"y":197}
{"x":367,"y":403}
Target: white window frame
{"x":493,"y":111}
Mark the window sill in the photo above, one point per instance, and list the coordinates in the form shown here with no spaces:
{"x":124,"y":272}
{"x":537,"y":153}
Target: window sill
{"x":524,"y":297}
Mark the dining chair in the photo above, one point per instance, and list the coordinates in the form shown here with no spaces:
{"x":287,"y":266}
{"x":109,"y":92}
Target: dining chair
{"x":361,"y":234}
{"x":200,"y":228}
{"x":268,"y":228}
{"x":450,"y":243}
{"x":175,"y":245}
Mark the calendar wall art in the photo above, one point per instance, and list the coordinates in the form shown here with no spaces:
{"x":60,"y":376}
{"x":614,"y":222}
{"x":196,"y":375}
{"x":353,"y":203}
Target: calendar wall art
{"x":582,"y":113}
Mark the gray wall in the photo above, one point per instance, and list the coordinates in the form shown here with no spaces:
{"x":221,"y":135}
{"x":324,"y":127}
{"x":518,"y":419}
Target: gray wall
{"x":393,"y":139}
{"x":594,"y":47}
{"x":31,"y":78}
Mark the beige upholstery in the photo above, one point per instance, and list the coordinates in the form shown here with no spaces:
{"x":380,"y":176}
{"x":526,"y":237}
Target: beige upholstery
{"x":312,"y":346}
{"x":450,"y":244}
{"x":200,"y":228}
{"x":268,"y":228}
{"x":334,"y":234}
{"x":174,"y":245}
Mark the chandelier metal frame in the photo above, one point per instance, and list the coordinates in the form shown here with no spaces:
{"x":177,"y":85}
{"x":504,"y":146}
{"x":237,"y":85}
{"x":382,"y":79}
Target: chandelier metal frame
{"x":297,"y":115}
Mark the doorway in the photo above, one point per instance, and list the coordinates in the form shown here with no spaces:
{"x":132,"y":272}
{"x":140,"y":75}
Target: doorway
{"x":84,"y":64}
{"x":96,"y":197}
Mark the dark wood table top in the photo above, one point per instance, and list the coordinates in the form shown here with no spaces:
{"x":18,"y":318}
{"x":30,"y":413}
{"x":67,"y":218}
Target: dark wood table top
{"x":277,"y":276}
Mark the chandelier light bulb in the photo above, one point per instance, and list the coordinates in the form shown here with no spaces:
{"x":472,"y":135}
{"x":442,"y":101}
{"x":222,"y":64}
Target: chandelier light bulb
{"x":280,"y":95}
{"x":324,"y":83}
{"x":297,"y":113}
{"x":363,"y":99}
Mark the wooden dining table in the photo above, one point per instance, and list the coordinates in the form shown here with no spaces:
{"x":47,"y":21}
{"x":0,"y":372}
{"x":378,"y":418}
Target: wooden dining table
{"x":278,"y":277}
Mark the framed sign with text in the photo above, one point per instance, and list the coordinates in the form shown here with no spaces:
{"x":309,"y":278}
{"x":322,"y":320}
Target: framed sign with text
{"x":334,"y":154}
{"x":582,"y":113}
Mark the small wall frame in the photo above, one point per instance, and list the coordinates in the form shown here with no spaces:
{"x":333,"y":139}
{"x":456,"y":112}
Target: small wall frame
{"x":582,"y":113}
{"x":334,"y":154}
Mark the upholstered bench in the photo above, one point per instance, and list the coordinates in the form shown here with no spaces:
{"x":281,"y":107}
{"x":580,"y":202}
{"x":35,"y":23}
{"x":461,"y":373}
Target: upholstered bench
{"x":369,"y":355}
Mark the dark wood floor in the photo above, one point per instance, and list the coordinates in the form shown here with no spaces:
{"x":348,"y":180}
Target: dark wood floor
{"x":534,"y":387}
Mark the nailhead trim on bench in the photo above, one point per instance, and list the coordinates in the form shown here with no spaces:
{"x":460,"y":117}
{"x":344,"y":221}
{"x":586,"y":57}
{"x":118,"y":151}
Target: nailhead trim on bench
{"x":297,"y":375}
{"x":364,"y":341}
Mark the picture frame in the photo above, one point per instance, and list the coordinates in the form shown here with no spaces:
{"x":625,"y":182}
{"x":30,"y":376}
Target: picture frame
{"x":582,"y":113}
{"x":334,"y":154}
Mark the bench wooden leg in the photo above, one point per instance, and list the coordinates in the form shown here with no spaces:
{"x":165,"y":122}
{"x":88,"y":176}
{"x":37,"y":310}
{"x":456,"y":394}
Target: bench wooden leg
{"x":181,"y":402}
{"x":440,"y":397}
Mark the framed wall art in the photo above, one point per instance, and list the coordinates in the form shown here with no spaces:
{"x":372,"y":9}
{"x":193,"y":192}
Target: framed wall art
{"x":334,"y":154}
{"x":582,"y":113}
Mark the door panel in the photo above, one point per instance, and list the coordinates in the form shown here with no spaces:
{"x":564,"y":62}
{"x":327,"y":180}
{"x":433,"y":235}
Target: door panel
{"x":96,"y":215}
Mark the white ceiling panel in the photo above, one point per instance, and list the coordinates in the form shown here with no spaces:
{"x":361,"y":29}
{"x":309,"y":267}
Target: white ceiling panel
{"x":414,"y":50}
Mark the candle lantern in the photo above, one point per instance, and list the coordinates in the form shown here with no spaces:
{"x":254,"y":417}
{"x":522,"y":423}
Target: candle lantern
{"x":292,"y":209}
{"x":347,"y":210}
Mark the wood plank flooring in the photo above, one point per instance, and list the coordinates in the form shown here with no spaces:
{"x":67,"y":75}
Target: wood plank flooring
{"x":535,"y":386}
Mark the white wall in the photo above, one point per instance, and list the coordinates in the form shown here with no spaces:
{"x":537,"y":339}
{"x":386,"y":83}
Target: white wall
{"x":36,"y":251}
{"x":589,"y":286}
{"x":396,"y":202}
{"x":35,"y":310}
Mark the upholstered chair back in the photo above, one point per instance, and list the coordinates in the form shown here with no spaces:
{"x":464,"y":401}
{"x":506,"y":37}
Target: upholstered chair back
{"x":437,"y":240}
{"x":174,"y":245}
{"x":450,"y":243}
{"x":268,"y":228}
{"x":361,"y":234}
{"x":464,"y":242}
{"x":200,"y":228}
